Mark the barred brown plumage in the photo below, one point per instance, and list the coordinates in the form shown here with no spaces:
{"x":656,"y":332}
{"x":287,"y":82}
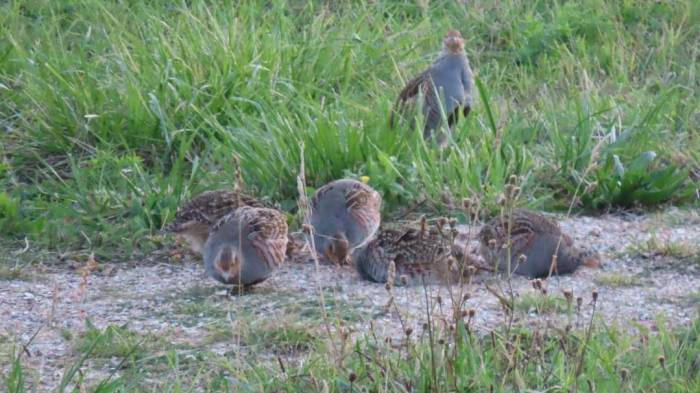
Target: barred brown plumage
{"x":536,"y":246}
{"x":246,"y":246}
{"x":345,"y":215}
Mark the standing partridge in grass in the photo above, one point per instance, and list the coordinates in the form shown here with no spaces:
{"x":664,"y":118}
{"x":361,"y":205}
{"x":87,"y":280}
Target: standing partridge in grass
{"x":535,"y":241}
{"x":194,"y":220}
{"x":246,"y":246}
{"x":419,"y":254}
{"x":446,"y":87}
{"x":345,"y":215}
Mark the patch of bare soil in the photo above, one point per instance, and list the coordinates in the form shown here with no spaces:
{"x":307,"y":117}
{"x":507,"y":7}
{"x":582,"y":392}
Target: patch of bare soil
{"x":652,"y":269}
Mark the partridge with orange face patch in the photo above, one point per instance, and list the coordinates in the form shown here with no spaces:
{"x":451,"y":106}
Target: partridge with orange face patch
{"x":246,"y":246}
{"x":345,"y":214}
{"x":446,"y":88}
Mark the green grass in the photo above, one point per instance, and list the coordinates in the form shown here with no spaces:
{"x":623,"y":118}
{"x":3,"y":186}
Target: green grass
{"x":113,"y":113}
{"x":13,"y":273}
{"x":114,"y":341}
{"x":617,"y":280}
{"x":541,"y":304}
{"x":596,"y":357}
{"x":275,"y":335}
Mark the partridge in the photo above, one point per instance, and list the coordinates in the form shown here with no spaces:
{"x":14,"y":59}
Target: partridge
{"x":424,"y":254}
{"x":446,"y":87}
{"x":345,"y":215}
{"x":535,"y":240}
{"x":246,"y":246}
{"x":194,"y":220}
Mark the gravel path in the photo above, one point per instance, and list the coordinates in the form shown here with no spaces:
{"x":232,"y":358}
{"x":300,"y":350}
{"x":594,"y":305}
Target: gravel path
{"x":156,"y":297}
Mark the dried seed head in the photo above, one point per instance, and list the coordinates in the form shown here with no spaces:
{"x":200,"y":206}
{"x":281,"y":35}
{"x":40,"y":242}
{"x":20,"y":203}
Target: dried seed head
{"x":624,"y":374}
{"x":589,"y":188}
{"x":438,"y":299}
{"x":453,"y":223}
{"x":441,"y":341}
{"x":425,"y":326}
{"x":594,"y":294}
{"x":387,"y":286}
{"x":508,"y":191}
{"x":391,"y":273}
{"x":492,"y":244}
{"x":307,"y":229}
{"x":522,"y":258}
{"x":471,"y":270}
{"x":446,"y":199}
{"x":442,"y":221}
{"x":568,"y":295}
{"x":567,"y":329}
{"x":513,"y":179}
{"x":466,"y":204}
{"x":662,"y":361}
{"x":579,"y":301}
{"x":423,"y":225}
{"x":408,"y":332}
{"x":472,"y":313}
{"x":451,"y":263}
{"x":403,"y":279}
{"x":352,"y":377}
{"x":466,"y":296}
{"x":544,"y":291}
{"x":501,"y":201}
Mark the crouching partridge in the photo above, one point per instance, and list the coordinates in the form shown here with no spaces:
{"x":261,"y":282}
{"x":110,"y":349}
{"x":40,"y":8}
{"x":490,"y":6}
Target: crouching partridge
{"x":246,"y":246}
{"x":345,"y":214}
{"x":538,"y":248}
{"x":425,"y":254}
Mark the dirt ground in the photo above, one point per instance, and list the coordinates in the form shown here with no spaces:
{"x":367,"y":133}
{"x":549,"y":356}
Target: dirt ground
{"x":652,"y":270}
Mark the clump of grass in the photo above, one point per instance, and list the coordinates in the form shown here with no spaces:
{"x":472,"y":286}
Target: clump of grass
{"x":114,"y":341}
{"x":281,"y":336}
{"x":111,"y":120}
{"x":617,"y":280}
{"x":656,"y":248}
{"x":541,"y":304}
{"x":8,"y":273}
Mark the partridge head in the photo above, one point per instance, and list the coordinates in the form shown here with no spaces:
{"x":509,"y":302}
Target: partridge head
{"x":246,"y":246}
{"x":445,"y":87}
{"x":345,"y":214}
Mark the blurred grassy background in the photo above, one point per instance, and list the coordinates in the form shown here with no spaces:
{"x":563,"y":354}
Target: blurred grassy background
{"x":113,"y":112}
